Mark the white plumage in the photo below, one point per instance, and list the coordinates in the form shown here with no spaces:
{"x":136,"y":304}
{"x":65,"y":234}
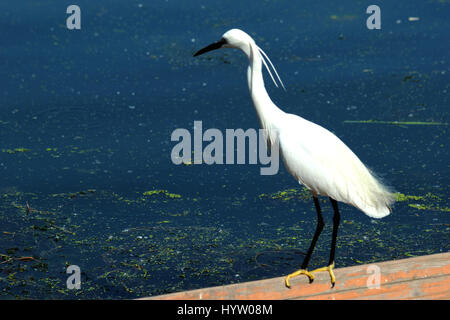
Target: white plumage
{"x":319,"y":160}
{"x":314,"y":156}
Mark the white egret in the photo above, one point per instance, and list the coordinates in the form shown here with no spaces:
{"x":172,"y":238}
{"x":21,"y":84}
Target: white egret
{"x":314,"y":156}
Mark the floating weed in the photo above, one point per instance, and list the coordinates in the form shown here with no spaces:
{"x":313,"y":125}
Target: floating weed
{"x":428,"y":207}
{"x":400,"y":197}
{"x":343,"y":17}
{"x":16,"y":150}
{"x":304,"y":194}
{"x":428,"y":201}
{"x":162,"y":192}
{"x":172,"y":248}
{"x":72,"y":195}
{"x":400,"y":123}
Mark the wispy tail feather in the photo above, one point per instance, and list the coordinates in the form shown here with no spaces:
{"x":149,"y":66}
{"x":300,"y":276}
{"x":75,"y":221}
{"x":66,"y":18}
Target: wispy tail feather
{"x":373,"y":197}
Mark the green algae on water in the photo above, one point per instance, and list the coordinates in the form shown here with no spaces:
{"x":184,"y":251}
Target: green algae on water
{"x":288,"y":194}
{"x":428,"y":201}
{"x":16,"y":150}
{"x":410,"y":123}
{"x":162,"y":192}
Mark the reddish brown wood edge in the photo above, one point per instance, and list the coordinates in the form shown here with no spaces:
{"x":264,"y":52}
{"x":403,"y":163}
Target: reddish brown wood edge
{"x":424,"y":277}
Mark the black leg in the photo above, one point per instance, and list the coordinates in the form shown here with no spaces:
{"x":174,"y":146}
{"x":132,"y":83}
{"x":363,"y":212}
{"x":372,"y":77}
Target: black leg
{"x":319,"y":228}
{"x":336,"y":219}
{"x":320,"y":225}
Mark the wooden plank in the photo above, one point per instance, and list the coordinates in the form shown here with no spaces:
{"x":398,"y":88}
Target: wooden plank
{"x":424,"y":277}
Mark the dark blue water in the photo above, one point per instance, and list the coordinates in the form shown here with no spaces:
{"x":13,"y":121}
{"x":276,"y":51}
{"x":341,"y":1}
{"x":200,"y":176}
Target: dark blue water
{"x":85,"y":123}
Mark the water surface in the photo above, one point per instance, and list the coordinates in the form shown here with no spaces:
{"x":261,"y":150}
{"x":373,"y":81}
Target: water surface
{"x":85,"y":123}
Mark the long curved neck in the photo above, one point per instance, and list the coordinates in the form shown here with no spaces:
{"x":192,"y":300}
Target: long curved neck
{"x":266,"y":110}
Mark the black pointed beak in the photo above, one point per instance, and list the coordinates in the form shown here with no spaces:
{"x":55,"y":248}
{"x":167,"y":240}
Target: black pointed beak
{"x":213,"y":46}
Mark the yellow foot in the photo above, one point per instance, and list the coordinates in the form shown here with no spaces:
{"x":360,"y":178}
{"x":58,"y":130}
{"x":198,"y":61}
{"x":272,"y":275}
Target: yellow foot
{"x":296,"y":273}
{"x":330,"y":271}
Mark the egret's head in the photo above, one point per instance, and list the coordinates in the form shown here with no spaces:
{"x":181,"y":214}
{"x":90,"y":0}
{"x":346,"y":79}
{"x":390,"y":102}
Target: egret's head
{"x":233,"y":38}
{"x":238,"y":39}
